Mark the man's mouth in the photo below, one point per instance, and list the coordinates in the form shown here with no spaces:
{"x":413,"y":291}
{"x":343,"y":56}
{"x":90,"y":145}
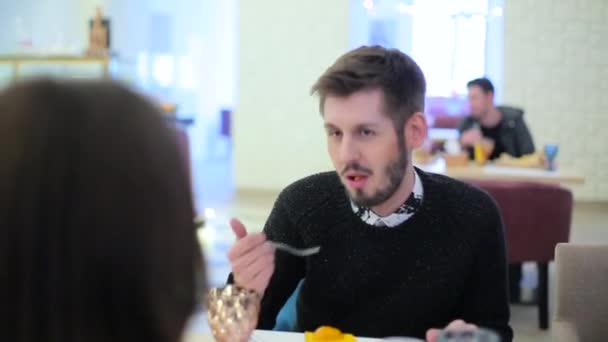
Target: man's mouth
{"x":357,"y":181}
{"x":356,"y":178}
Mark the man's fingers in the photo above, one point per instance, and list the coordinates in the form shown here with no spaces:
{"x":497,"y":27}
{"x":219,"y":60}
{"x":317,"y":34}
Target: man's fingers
{"x":238,"y":228}
{"x":262,"y":278}
{"x":250,"y":263}
{"x":263,"y":262}
{"x":257,"y":276}
{"x":470,"y":327}
{"x":246,"y":245}
{"x":251,"y":258}
{"x":432,"y":335}
{"x":456,"y":325}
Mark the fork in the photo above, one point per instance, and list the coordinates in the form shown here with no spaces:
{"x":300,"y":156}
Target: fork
{"x":300,"y":252}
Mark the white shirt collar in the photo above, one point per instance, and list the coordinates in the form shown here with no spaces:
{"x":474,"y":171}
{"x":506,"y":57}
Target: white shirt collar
{"x":405,"y":211}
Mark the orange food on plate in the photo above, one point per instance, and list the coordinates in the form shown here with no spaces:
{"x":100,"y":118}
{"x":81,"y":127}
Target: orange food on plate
{"x":328,"y":334}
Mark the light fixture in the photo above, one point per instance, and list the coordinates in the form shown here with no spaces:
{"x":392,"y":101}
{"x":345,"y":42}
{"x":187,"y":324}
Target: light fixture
{"x":497,"y":11}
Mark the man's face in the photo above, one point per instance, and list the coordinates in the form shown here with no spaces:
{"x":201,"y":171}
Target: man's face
{"x":479,"y":102}
{"x":368,"y":154}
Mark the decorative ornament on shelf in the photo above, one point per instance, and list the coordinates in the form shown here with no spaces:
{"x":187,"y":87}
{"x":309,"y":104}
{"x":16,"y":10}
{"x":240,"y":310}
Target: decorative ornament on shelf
{"x":99,"y":35}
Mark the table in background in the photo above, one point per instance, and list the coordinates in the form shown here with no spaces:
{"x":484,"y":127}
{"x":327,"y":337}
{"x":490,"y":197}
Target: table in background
{"x":496,"y":172}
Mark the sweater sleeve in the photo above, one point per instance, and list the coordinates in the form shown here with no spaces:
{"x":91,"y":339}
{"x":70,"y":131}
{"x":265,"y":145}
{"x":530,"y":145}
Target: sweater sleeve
{"x":289,"y":270}
{"x":486,"y":297}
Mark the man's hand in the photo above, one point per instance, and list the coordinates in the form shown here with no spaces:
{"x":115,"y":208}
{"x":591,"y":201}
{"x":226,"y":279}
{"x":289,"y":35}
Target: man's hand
{"x":470,"y":137}
{"x":458,"y":325}
{"x":251,"y":259}
{"x":488,"y":146}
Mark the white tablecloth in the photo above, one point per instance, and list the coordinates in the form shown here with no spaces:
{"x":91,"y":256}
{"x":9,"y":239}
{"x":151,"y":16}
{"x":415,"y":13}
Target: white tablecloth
{"x":276,"y":336}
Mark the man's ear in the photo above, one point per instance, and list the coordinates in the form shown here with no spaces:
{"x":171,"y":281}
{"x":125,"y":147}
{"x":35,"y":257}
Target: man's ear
{"x":416,"y":130}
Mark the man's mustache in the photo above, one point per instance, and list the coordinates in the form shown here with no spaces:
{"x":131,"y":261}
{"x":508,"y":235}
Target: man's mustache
{"x":356,"y":167}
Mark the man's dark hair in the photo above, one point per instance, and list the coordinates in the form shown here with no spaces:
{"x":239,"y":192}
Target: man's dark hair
{"x":483,"y":83}
{"x":374,"y":67}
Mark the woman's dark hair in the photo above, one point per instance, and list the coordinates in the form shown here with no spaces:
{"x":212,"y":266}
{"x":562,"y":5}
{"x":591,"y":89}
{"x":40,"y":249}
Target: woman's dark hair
{"x":97,"y":240}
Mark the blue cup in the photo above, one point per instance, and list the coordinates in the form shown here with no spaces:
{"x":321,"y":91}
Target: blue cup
{"x":550,"y":153}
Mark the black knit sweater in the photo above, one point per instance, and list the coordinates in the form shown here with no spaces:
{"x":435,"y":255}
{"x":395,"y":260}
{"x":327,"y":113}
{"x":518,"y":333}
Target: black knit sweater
{"x":446,"y":262}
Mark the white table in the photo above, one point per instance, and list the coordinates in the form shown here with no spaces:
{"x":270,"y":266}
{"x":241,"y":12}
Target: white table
{"x":276,"y":336}
{"x":495,"y":172}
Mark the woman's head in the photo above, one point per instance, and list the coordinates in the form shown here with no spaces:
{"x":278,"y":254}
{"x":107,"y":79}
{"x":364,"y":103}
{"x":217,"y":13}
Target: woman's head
{"x":97,"y":240}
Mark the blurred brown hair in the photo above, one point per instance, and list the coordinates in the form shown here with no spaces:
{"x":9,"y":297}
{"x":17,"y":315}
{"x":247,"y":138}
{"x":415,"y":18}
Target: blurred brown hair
{"x":97,"y":240}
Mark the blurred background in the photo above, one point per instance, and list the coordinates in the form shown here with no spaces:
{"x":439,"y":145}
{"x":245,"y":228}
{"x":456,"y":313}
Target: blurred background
{"x":242,"y":70}
{"x":234,"y":77}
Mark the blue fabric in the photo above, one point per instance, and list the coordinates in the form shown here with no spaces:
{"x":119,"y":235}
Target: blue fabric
{"x":287,"y":319}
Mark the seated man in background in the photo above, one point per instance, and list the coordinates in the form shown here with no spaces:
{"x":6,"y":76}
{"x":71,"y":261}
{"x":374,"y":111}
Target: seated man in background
{"x":97,"y":237}
{"x":499,"y":129}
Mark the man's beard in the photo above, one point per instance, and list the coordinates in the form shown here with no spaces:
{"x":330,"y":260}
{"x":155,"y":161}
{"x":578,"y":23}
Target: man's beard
{"x":394,"y":172}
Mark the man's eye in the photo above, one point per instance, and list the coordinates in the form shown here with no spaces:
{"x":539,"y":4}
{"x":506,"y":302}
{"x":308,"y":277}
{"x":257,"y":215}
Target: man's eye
{"x":367,"y":132}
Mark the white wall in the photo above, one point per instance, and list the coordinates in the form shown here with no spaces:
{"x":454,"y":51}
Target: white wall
{"x":283,"y":48}
{"x":556,"y":67}
{"x":199,"y":37}
{"x":495,"y":47}
{"x":50,"y":24}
